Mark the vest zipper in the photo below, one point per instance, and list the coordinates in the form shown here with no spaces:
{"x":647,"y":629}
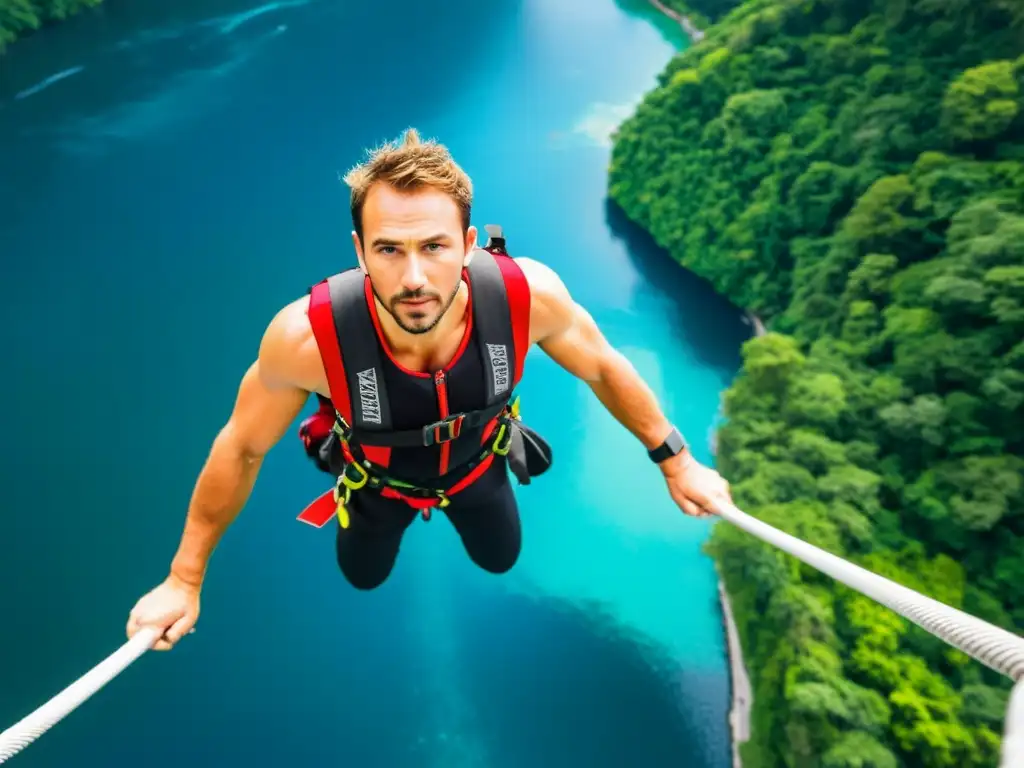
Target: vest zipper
{"x":442,"y":402}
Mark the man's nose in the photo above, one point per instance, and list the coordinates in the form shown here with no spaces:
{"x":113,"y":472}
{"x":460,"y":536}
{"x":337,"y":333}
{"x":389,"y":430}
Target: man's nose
{"x":413,"y":278}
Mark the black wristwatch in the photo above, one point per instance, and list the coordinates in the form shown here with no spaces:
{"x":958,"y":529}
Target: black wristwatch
{"x":674,"y":445}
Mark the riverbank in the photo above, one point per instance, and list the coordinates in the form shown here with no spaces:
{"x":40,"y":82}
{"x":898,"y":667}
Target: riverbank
{"x":691,"y":29}
{"x":742,"y":693}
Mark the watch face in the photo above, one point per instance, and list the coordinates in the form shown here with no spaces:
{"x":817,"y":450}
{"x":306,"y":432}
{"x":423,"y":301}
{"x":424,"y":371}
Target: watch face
{"x":673,"y":445}
{"x":675,"y":442}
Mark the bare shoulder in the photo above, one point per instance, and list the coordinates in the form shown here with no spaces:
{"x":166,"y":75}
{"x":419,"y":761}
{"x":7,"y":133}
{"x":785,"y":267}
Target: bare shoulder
{"x":559,"y":326}
{"x":544,"y":282}
{"x":552,"y":309}
{"x":288,"y":355}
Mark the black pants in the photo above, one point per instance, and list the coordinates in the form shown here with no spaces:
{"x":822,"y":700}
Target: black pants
{"x":485,"y":515}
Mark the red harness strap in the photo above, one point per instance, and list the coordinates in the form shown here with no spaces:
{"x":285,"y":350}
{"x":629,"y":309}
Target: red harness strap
{"x":321,"y":318}
{"x":518,"y":290}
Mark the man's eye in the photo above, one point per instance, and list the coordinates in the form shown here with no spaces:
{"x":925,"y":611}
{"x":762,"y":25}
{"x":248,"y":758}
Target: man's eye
{"x":434,"y":246}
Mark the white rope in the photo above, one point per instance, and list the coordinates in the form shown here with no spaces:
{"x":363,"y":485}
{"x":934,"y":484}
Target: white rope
{"x":31,"y":727}
{"x":994,"y":647}
{"x":1013,"y":737}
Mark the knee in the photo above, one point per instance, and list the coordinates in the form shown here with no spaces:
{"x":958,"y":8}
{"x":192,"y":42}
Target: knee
{"x":499,"y":559}
{"x":499,"y":566}
{"x":364,"y":581}
{"x":363,"y":567}
{"x":364,"y":576}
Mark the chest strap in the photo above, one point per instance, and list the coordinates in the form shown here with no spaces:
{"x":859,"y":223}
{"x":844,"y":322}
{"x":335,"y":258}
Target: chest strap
{"x":435,"y":433}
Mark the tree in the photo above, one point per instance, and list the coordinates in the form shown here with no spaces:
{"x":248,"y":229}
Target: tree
{"x":853,"y":171}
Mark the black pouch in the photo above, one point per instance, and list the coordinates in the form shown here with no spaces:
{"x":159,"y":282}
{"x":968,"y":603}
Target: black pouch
{"x":326,"y":454}
{"x":331,"y":456}
{"x":529,"y":454}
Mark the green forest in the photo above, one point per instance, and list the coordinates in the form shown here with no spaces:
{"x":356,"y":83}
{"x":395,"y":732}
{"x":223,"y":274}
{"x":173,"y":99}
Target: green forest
{"x":701,"y":12}
{"x":853,"y":172}
{"x":19,"y":17}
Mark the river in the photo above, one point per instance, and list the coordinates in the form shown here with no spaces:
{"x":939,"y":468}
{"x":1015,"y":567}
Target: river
{"x":169,"y":177}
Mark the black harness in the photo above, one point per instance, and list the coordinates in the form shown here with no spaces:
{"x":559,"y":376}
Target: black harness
{"x":387,"y":419}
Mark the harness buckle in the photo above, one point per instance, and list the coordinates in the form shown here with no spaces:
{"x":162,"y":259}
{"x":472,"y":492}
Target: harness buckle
{"x":443,"y":431}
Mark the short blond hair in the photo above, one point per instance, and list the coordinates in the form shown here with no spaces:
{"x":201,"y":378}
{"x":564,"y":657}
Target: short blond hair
{"x":410,"y":165}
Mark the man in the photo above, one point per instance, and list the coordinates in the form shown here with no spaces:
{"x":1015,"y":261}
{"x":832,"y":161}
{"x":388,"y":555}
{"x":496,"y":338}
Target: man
{"x":398,"y":344}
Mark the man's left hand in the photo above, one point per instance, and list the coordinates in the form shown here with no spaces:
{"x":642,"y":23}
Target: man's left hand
{"x":698,"y":490}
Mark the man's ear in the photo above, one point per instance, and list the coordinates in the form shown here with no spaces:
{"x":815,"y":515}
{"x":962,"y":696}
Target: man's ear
{"x":471,"y":245}
{"x":359,"y":250}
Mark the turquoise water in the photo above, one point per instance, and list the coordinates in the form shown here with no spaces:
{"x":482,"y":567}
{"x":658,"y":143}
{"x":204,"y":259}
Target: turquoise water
{"x":175,"y":182}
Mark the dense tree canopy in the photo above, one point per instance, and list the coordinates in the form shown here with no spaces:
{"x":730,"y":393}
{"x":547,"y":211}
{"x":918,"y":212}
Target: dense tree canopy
{"x":17,"y":17}
{"x":853,"y":171}
{"x":702,"y":12}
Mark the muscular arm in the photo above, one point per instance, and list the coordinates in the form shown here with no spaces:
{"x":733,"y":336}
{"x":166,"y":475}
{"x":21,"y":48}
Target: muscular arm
{"x":568,"y":334}
{"x":271,"y":394}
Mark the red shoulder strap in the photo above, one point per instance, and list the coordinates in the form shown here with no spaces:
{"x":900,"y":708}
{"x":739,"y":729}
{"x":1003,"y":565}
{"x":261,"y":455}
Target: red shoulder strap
{"x":518,"y":291}
{"x":321,"y":318}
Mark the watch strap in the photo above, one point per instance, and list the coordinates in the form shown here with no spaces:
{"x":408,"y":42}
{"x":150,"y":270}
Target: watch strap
{"x":673,"y":445}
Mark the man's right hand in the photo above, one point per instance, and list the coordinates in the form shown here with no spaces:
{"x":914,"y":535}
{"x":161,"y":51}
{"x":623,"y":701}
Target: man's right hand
{"x":172,"y":606}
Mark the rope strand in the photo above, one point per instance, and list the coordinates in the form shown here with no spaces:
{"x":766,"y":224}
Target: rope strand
{"x":32,"y":726}
{"x":992,"y":646}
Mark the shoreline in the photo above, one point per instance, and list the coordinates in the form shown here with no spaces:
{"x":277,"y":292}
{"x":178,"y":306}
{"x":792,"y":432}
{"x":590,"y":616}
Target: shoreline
{"x":691,"y":29}
{"x":759,"y":329}
{"x":742,"y":693}
{"x":739,"y":680}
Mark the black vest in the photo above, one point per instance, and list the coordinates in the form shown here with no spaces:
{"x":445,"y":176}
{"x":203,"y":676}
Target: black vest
{"x":406,"y":417}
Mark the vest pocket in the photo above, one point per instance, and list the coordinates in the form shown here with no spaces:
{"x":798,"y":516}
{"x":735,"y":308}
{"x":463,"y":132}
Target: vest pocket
{"x":529,"y":454}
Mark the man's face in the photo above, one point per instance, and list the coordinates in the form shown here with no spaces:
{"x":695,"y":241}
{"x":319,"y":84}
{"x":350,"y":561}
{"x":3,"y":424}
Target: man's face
{"x":413,"y":249}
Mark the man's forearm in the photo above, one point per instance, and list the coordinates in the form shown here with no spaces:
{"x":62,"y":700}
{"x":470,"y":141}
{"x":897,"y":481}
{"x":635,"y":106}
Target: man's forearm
{"x":223,"y":487}
{"x":628,"y":398}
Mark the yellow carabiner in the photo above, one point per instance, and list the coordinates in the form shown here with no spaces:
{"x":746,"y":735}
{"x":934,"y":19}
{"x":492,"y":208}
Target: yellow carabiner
{"x":354,"y":485}
{"x":496,"y":446}
{"x":514,"y":409}
{"x":342,"y":508}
